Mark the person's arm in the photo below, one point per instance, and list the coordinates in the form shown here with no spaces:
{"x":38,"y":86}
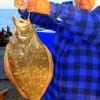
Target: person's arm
{"x":80,"y":22}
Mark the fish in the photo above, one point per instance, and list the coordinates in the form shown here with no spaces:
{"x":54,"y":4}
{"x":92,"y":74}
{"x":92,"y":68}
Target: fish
{"x":28,"y":62}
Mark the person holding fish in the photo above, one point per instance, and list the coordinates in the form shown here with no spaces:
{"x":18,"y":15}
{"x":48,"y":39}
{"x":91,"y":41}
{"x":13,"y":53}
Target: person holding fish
{"x":75,"y":48}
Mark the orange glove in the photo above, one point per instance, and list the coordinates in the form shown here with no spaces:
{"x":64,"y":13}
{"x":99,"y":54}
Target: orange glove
{"x":37,"y":6}
{"x":85,"y":4}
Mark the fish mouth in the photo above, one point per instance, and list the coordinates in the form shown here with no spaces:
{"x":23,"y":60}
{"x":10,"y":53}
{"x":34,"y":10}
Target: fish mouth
{"x":20,"y":23}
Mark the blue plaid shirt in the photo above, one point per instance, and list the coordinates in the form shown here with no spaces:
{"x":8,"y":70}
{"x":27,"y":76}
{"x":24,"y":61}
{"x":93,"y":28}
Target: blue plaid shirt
{"x":75,"y":50}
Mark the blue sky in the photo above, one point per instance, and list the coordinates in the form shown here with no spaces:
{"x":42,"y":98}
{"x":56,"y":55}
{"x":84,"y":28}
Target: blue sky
{"x":7,"y":4}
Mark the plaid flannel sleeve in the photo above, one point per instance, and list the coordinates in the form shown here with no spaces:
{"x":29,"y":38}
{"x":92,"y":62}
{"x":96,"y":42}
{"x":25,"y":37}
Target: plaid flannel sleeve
{"x":79,"y":21}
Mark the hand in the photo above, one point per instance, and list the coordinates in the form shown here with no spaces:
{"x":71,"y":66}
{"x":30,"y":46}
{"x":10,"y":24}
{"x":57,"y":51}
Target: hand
{"x":21,"y":4}
{"x":85,"y":4}
{"x":37,"y":6}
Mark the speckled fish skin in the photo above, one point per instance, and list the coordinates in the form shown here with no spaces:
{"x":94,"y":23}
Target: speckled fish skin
{"x":30,"y":62}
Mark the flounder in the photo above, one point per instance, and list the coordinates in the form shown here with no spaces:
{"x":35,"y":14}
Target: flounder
{"x":27,"y":61}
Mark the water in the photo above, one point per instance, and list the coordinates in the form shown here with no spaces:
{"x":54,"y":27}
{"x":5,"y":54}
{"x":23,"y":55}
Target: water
{"x":6,"y":18}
